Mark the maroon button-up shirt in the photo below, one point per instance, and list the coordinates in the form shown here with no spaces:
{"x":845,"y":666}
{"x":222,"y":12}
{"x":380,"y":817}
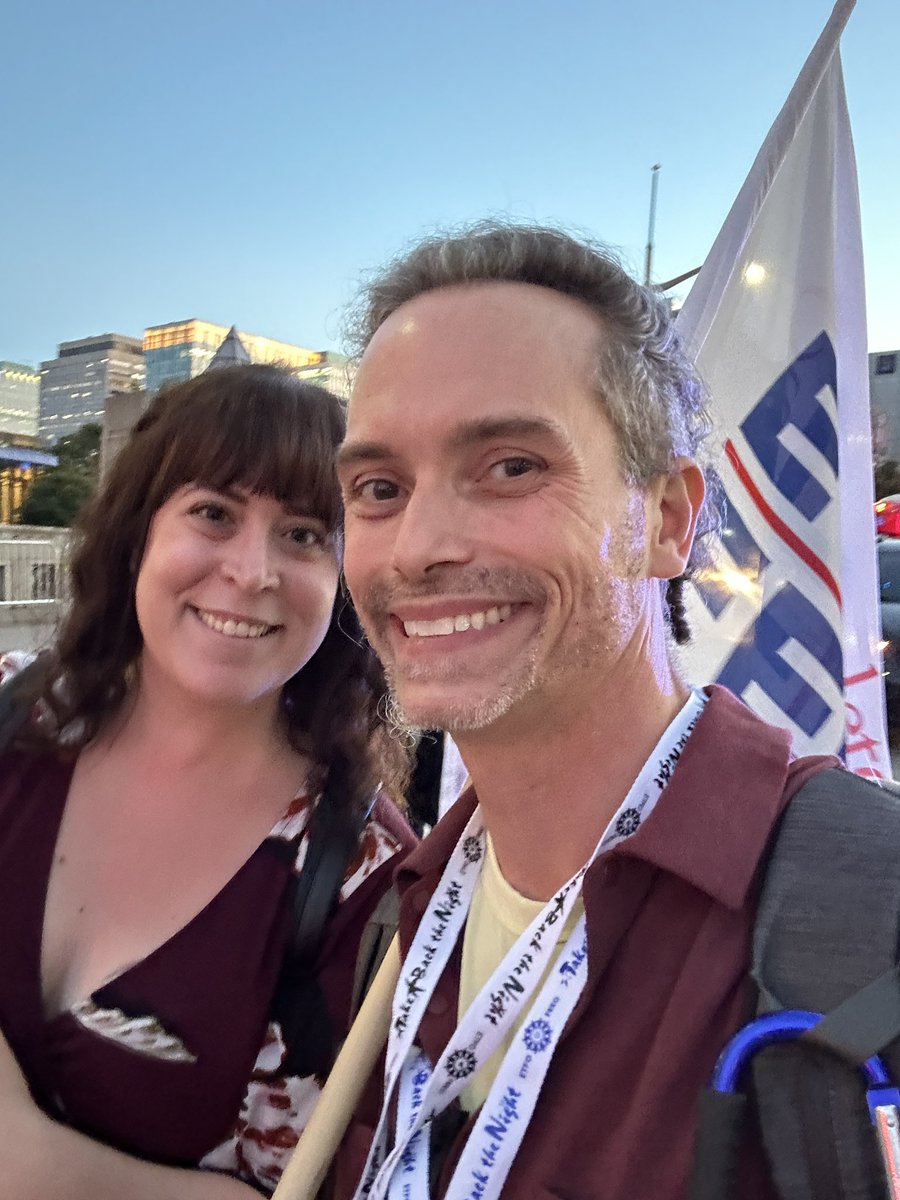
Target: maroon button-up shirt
{"x":669,"y":920}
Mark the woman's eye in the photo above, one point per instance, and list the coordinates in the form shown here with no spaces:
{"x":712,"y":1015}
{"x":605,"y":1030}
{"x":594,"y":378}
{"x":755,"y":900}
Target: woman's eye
{"x":305,"y":536}
{"x":210,"y":511}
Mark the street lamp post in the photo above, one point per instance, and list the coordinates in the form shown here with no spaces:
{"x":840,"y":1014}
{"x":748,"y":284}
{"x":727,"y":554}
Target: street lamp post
{"x":654,"y":183}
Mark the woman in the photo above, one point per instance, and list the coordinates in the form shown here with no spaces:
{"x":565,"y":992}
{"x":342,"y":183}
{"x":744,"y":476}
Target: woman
{"x":209,"y":685}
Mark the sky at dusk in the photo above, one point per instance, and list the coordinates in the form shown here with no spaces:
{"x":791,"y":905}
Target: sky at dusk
{"x":245,"y":163}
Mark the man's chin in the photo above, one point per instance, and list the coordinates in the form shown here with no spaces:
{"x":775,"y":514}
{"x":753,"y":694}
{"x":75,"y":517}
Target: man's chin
{"x":455,"y":717}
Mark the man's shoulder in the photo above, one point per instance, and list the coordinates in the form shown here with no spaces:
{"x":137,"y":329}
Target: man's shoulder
{"x":828,"y":801}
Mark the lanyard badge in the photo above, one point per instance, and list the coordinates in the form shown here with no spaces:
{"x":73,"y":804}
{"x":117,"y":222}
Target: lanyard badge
{"x":511,"y":995}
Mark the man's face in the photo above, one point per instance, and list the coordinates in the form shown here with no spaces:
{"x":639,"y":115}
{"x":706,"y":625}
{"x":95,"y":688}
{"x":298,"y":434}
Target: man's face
{"x":494,"y":553}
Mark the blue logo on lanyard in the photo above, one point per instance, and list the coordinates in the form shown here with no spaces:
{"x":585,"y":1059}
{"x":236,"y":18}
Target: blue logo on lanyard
{"x":538,"y":1035}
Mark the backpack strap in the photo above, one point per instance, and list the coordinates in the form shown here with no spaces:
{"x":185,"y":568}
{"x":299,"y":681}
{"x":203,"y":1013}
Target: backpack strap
{"x":298,"y":1004}
{"x":826,"y":939}
{"x":333,"y":839}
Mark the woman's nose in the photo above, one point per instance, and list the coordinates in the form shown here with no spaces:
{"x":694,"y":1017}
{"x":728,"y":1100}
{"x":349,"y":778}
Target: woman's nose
{"x":250,"y":560}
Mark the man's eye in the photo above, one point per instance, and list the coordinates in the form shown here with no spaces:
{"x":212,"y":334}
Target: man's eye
{"x":513,"y":467}
{"x":377,"y":490}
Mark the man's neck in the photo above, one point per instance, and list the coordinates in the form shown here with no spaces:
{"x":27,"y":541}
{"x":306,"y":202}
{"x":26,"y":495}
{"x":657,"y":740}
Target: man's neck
{"x":549,"y":792}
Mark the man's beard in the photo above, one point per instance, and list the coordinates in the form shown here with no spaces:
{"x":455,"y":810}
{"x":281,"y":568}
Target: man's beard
{"x":465,"y":716}
{"x":608,"y":612}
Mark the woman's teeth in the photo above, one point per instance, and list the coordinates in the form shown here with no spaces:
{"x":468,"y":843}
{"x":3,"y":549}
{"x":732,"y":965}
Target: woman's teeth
{"x":445,"y":625}
{"x":241,"y":629}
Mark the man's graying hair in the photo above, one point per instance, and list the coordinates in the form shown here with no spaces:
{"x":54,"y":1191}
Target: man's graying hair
{"x":648,"y":387}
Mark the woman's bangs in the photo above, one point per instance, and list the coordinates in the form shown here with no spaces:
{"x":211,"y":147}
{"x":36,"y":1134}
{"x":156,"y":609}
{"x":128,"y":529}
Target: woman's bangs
{"x":280,"y":445}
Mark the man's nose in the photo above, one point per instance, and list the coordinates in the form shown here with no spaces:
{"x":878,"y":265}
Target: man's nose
{"x":250,"y":559}
{"x":433,"y":531}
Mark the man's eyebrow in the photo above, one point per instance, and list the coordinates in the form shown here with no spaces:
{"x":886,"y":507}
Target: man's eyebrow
{"x":488,"y":429}
{"x":469,"y":433}
{"x":351,"y":454}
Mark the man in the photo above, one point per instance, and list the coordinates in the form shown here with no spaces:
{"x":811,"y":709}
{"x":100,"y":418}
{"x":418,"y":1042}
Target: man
{"x":522,"y":486}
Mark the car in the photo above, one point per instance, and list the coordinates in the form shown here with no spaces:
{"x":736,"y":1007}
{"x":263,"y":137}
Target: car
{"x":889,"y":575}
{"x":887,"y":516}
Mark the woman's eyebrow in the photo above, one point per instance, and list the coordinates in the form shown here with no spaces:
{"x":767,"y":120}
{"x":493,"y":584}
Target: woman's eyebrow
{"x":229,"y":492}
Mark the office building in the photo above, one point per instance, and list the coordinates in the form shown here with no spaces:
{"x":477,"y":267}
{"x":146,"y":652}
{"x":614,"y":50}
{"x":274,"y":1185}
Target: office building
{"x":884,"y":394}
{"x":19,"y":398}
{"x":74,"y":386}
{"x":183,"y":349}
{"x":120,"y":415}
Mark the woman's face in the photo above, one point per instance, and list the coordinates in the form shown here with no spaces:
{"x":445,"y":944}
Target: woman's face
{"x":234,"y":594}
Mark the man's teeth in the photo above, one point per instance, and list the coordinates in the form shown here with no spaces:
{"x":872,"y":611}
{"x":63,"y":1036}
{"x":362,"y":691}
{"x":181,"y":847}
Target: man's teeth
{"x":444,"y":625}
{"x":241,"y":629}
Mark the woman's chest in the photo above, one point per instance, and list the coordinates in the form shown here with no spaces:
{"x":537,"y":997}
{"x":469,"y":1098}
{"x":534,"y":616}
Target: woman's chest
{"x":125,"y":878}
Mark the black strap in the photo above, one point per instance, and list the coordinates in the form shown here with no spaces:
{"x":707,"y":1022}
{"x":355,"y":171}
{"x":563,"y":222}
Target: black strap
{"x":720,"y":1134}
{"x":298,"y":1004}
{"x":865,"y":1024}
{"x":333,"y":838}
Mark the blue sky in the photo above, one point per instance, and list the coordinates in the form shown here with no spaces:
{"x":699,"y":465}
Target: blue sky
{"x":244,"y":163}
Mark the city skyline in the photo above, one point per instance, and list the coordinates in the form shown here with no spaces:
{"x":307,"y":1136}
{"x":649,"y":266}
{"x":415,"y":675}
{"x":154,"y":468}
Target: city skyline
{"x":245,"y":168}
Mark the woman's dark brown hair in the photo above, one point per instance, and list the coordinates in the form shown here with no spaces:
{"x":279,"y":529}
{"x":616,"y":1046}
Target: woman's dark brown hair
{"x":254,"y":427}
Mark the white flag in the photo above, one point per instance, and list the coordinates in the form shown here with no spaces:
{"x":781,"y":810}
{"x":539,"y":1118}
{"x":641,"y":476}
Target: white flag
{"x":789,"y":618}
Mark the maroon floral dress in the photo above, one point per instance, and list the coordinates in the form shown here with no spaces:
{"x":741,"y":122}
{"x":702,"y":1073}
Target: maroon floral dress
{"x":177,"y":1060}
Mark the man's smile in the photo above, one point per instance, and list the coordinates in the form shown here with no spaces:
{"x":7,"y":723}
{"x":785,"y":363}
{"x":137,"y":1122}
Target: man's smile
{"x":443,"y":626}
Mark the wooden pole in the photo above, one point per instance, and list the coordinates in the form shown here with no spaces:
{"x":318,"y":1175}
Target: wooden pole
{"x":308,"y":1165}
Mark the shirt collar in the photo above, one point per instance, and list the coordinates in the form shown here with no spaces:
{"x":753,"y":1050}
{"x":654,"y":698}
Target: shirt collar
{"x":713,"y":823}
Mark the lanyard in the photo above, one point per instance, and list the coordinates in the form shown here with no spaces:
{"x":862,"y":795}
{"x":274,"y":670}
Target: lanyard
{"x":400,"y":1172}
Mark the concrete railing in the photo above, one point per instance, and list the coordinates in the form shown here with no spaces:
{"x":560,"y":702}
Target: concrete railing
{"x":31,"y":571}
{"x":33,"y":584}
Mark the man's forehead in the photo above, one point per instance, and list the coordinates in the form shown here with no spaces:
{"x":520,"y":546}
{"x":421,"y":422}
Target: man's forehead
{"x":481,"y":336}
{"x":488,"y":303}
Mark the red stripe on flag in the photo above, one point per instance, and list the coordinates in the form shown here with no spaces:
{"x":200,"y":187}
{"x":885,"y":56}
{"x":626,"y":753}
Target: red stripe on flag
{"x":783,"y":530}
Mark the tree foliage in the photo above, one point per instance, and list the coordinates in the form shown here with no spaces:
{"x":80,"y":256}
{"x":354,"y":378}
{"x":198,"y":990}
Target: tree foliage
{"x":59,"y":492}
{"x":56,"y":496}
{"x":81,"y":450}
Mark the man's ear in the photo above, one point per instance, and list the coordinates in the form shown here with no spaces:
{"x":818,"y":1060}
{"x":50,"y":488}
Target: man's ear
{"x":673,"y":504}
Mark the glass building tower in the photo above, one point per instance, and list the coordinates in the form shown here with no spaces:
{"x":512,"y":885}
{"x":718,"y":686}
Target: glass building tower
{"x":74,"y":385}
{"x":183,"y":349}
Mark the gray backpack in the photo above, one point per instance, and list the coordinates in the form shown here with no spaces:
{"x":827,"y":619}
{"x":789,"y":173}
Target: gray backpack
{"x":826,"y":941}
{"x":826,"y":938}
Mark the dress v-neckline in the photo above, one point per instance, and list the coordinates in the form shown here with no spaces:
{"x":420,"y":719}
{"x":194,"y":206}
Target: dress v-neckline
{"x":46,"y":858}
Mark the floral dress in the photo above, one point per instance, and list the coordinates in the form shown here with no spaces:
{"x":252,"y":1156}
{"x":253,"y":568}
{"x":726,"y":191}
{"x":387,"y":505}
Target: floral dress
{"x":178,"y":1060}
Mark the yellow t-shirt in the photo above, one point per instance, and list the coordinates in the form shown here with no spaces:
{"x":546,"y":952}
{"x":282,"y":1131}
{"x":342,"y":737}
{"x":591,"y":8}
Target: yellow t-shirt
{"x":498,"y":916}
